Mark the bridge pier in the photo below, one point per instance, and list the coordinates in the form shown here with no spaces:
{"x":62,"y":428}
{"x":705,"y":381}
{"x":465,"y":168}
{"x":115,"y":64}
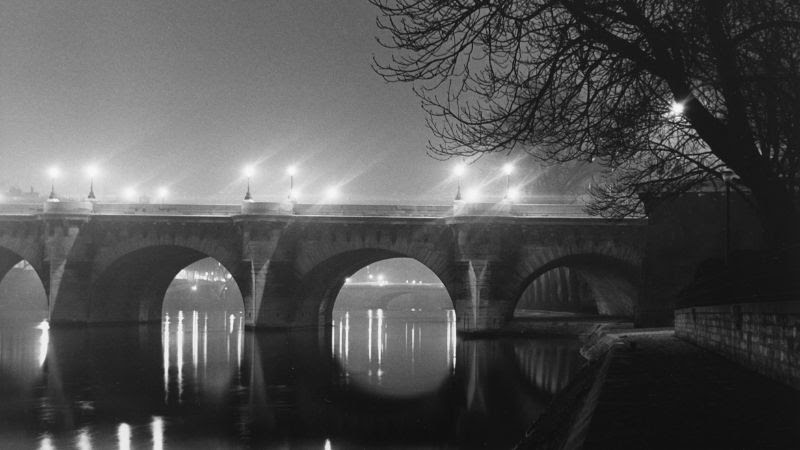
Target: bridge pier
{"x":480,"y":302}
{"x":68,"y":264}
{"x":259,"y":274}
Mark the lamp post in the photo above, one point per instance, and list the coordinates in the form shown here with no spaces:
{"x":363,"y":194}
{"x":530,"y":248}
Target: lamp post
{"x":459,"y":170}
{"x":248,"y":172}
{"x":291,"y":171}
{"x":53,"y":172}
{"x":508,"y":168}
{"x":92,"y":172}
{"x":727,"y":177}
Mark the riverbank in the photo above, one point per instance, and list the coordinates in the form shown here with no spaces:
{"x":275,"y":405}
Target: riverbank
{"x":546,"y":324}
{"x":650,"y":389}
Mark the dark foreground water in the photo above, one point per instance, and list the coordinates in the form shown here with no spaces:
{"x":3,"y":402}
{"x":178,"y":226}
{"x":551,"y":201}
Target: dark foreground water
{"x":375,"y":379}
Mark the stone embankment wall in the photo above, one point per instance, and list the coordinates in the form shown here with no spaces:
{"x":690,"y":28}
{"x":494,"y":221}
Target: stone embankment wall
{"x":764,"y":337}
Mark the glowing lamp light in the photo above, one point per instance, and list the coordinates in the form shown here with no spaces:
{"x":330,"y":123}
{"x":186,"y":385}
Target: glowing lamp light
{"x":291,"y":171}
{"x":508,"y":169}
{"x":472,"y":195}
{"x":332,"y":193}
{"x":129,"y":194}
{"x":53,"y":172}
{"x":248,"y":172}
{"x":676,"y":109}
{"x":459,"y":170}
{"x":162,"y":193}
{"x":92,"y":171}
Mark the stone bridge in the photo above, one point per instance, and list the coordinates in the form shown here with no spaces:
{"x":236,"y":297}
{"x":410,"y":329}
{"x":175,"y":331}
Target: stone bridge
{"x":103,"y":263}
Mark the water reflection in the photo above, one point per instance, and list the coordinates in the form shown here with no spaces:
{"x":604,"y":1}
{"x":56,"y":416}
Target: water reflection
{"x":376,"y":378}
{"x":44,"y":340}
{"x":177,"y":365}
{"x":394,"y":360}
{"x":124,"y":436}
{"x":46,"y":442}
{"x":84,"y":440}
{"x":157,"y":430}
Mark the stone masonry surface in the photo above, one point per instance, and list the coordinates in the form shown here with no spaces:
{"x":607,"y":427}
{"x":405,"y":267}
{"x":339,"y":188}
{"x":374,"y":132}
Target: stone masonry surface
{"x":762,"y":336}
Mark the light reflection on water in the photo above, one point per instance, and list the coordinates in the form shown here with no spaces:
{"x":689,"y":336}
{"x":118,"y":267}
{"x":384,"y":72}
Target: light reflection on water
{"x":375,"y":378}
{"x":396,"y":360}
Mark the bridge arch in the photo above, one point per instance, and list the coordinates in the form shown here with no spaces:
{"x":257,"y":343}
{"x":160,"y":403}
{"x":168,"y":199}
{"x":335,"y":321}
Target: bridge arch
{"x":131,"y":286}
{"x":20,"y":242}
{"x":21,"y":295}
{"x":316,"y":290}
{"x":613,"y":285}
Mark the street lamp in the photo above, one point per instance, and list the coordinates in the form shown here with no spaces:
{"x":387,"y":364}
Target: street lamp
{"x":92,"y":172}
{"x":53,"y":172}
{"x":332,"y":193}
{"x":727,"y":177}
{"x":459,"y":171}
{"x":676,"y":109}
{"x":291,"y":171}
{"x":162,"y":194}
{"x":248,"y":172}
{"x":508,"y":168}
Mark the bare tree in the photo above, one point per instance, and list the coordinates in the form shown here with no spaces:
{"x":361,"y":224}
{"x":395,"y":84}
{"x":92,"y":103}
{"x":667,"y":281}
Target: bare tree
{"x":665,"y":94}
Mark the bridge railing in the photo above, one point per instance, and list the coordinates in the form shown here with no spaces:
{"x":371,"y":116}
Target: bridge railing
{"x":21,"y":208}
{"x":548,"y":210}
{"x":373,"y":210}
{"x":283,"y":209}
{"x":166,"y":209}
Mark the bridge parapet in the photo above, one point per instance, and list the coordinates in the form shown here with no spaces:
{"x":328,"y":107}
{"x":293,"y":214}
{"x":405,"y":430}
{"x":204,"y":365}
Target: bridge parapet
{"x":425,"y":211}
{"x":68,"y":207}
{"x":17,"y":209}
{"x":502,"y":209}
{"x":268,"y":208}
{"x":510,"y":209}
{"x":165,"y":209}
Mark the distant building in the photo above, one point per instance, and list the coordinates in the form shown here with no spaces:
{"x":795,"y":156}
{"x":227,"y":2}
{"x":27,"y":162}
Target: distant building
{"x":17,"y":195}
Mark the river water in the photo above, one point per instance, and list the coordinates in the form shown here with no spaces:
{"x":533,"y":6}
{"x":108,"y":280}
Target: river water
{"x":199,"y":380}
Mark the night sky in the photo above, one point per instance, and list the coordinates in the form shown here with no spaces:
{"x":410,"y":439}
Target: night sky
{"x":184,"y":94}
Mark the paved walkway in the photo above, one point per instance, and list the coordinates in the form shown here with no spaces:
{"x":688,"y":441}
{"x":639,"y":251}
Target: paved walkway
{"x":662,"y":392}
